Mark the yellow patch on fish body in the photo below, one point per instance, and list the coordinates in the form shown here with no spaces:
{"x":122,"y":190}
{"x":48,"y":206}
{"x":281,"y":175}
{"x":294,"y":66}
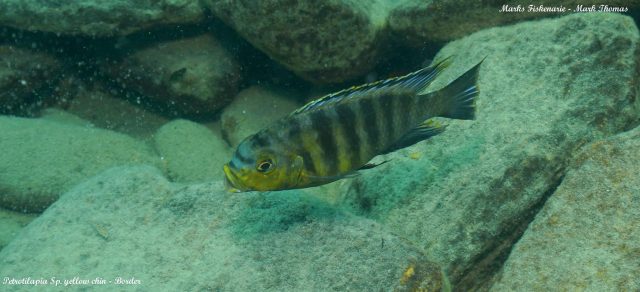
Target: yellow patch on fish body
{"x":334,"y":136}
{"x":245,"y":179}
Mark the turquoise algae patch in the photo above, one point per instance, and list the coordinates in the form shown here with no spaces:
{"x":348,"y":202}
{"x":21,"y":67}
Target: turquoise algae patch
{"x":271,"y":212}
{"x":134,"y":219}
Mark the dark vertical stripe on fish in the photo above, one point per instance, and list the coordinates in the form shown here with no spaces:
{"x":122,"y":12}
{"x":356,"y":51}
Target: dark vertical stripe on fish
{"x":381,"y":123}
{"x":370,"y":125}
{"x":322,"y":125}
{"x":362,"y":135}
{"x":261,"y":140}
{"x":387,"y":103}
{"x":347,"y":120}
{"x":405,"y":112}
{"x":410,"y":100}
{"x":294,"y":135}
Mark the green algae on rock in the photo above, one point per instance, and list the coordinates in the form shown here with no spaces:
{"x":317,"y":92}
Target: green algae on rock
{"x":191,"y":152}
{"x":473,"y":185}
{"x":42,"y":159}
{"x":312,"y":246}
{"x":586,"y":236}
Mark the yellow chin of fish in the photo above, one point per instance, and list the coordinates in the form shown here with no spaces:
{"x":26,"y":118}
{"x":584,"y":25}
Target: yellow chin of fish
{"x":231,"y":181}
{"x":243,"y":181}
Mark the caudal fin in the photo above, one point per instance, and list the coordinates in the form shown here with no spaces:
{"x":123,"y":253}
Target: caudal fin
{"x":461,"y":95}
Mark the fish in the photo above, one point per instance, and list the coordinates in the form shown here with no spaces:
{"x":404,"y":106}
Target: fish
{"x":335,"y":136}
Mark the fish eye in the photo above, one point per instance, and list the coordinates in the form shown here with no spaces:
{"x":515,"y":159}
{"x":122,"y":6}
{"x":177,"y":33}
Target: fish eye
{"x":265,"y":165}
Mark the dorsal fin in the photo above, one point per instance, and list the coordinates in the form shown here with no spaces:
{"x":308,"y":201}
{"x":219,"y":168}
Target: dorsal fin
{"x":418,"y":81}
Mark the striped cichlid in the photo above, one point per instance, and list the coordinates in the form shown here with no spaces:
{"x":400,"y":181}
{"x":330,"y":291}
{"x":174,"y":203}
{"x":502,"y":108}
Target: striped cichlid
{"x":336,"y":135}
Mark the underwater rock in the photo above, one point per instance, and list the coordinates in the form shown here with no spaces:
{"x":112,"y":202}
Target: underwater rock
{"x":323,"y":42}
{"x":191,"y":152}
{"x":191,"y":76}
{"x":11,"y":223}
{"x":97,"y":18}
{"x":417,"y":22}
{"x":586,"y":236}
{"x":61,"y":116}
{"x":42,"y":159}
{"x":115,"y":114}
{"x":199,"y":238}
{"x":25,"y":79}
{"x":253,"y":109}
{"x":546,"y":88}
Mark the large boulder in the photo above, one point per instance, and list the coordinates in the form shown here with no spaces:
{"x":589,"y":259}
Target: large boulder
{"x":586,"y":236}
{"x":97,"y":18}
{"x":190,"y":76}
{"x":191,"y":152}
{"x":546,"y":88}
{"x":324,"y":42}
{"x":61,"y":116}
{"x":417,"y":23}
{"x":25,"y":77}
{"x":132,"y":223}
{"x":42,"y":159}
{"x":115,"y":114}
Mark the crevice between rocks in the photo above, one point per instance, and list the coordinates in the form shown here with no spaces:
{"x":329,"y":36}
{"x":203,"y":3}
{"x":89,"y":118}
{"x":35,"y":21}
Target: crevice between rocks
{"x":488,"y":265}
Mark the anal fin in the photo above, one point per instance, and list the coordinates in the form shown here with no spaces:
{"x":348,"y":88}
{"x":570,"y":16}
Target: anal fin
{"x":425,"y":130}
{"x":371,"y":165}
{"x":332,"y":178}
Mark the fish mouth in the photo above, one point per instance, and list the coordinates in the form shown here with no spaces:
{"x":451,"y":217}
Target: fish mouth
{"x":231,"y":181}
